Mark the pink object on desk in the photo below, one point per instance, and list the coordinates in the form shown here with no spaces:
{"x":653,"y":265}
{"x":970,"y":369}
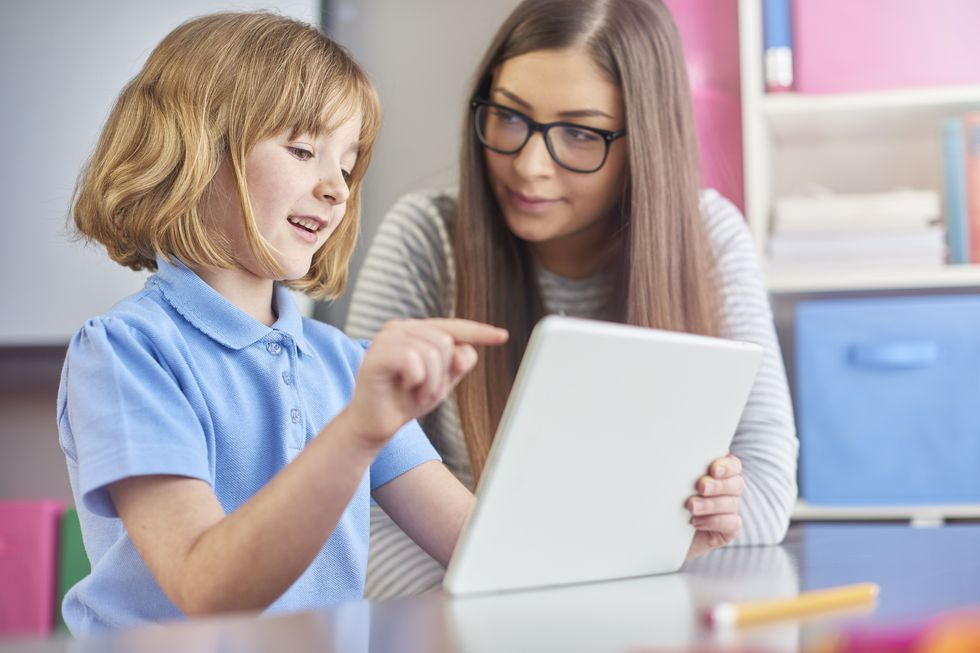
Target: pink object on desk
{"x":864,"y":45}
{"x":28,"y":554}
{"x":709,"y":31}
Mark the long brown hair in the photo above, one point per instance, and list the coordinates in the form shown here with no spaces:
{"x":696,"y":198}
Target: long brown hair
{"x":665,"y":271}
{"x":212,"y":89}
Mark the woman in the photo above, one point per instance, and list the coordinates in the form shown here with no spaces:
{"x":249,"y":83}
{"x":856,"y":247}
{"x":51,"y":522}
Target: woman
{"x":579,"y":194}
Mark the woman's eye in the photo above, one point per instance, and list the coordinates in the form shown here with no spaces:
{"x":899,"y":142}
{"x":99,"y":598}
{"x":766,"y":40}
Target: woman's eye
{"x":301,"y":153}
{"x":506,"y":116}
{"x":582,"y":135}
{"x":348,"y":176}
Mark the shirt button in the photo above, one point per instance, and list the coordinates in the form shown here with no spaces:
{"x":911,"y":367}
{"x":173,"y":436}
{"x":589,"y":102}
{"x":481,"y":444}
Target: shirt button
{"x":294,"y":415}
{"x":287,"y":378}
{"x":274,"y":348}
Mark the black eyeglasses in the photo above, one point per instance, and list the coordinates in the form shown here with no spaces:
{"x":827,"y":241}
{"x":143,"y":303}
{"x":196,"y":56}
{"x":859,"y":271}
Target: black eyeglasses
{"x":574,"y":147}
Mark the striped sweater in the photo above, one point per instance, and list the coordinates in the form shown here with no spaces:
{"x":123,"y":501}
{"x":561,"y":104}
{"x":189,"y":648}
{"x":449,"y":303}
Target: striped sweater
{"x":408,"y":273}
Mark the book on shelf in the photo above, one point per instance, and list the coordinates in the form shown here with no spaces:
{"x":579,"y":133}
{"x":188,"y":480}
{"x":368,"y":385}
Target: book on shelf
{"x":917,"y":264}
{"x":954,"y":188}
{"x":971,"y":159}
{"x":827,"y":212}
{"x":777,"y":39}
{"x":825,"y":231}
{"x":925,"y":245}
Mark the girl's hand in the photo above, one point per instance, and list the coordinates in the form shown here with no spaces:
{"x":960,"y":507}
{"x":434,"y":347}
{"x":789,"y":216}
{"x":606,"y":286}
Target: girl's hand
{"x":715,"y":506}
{"x":410,"y":367}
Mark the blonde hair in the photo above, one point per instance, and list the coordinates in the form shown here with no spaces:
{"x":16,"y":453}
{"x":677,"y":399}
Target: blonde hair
{"x":211,"y":90}
{"x":664,"y":269}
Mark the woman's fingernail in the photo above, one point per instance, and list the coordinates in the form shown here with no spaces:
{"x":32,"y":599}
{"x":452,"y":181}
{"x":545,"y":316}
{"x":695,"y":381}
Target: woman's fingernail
{"x":697,"y":507}
{"x":720,"y":469}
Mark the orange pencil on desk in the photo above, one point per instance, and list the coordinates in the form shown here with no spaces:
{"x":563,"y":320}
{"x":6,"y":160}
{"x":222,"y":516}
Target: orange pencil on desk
{"x":802,"y":605}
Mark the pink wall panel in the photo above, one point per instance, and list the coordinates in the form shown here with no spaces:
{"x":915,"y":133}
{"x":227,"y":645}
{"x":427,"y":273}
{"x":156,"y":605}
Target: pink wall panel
{"x":709,"y":29}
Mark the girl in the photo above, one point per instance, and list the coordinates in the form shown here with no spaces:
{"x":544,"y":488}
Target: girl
{"x":579,"y":194}
{"x":221,"y":455}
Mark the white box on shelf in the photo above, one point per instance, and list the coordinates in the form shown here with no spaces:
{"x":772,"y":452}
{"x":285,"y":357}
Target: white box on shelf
{"x":826,"y":212}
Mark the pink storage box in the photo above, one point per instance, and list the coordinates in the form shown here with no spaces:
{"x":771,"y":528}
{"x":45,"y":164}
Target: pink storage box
{"x":28,"y":555}
{"x":864,"y":45}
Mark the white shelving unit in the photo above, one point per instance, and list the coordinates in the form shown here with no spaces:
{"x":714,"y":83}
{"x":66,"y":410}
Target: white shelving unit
{"x":849,"y":142}
{"x":932,"y":515}
{"x":885,"y":113}
{"x":948,"y":276}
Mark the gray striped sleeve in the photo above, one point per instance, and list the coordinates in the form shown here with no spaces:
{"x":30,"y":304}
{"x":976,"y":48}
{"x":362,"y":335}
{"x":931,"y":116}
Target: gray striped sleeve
{"x":407,"y":271}
{"x":765,"y":440}
{"x":407,"y":274}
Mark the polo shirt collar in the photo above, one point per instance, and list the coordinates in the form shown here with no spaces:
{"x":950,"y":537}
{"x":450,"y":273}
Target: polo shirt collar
{"x":290,"y":320}
{"x":212,"y":314}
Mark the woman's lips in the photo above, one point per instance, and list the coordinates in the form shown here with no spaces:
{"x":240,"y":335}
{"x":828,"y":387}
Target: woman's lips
{"x":530,"y":203}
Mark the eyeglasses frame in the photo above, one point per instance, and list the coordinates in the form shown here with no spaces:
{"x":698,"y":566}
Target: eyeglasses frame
{"x":534,"y":126}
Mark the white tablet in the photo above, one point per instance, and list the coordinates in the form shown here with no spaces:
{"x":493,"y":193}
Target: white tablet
{"x":605,"y":433}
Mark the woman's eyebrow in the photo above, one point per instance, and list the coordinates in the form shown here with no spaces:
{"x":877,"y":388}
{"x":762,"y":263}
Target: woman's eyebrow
{"x":577,"y":113}
{"x":514,"y":98}
{"x":585,"y":113}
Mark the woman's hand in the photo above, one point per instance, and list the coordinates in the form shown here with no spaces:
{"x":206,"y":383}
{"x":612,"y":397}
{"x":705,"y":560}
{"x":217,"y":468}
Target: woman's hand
{"x":714,"y":508}
{"x":410,"y":367}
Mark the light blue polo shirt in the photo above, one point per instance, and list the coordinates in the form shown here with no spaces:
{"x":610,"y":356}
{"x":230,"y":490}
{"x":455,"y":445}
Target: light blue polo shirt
{"x":177,"y":380}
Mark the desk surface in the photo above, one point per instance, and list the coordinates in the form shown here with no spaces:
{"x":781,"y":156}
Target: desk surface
{"x":922,"y":572}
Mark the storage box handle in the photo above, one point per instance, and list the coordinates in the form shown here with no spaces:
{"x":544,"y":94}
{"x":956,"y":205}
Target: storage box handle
{"x":895,"y":355}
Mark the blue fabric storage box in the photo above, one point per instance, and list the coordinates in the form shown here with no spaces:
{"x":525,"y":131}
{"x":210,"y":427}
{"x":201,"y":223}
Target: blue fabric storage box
{"x":888,"y":400}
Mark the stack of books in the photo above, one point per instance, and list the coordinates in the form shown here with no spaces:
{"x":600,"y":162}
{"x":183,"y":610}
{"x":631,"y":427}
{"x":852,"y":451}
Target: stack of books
{"x":829,"y":231}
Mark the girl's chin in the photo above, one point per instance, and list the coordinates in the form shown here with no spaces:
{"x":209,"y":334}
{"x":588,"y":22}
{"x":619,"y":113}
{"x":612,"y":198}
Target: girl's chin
{"x":294,"y":271}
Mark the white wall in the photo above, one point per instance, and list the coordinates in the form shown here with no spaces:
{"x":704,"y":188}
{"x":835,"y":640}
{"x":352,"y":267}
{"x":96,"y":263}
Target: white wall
{"x":61,"y":66}
{"x":62,"y":63}
{"x":421,"y":55}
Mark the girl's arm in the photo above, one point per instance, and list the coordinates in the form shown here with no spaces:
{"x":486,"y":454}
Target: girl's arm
{"x":407,"y":272}
{"x":208,"y":562}
{"x":430,"y":505}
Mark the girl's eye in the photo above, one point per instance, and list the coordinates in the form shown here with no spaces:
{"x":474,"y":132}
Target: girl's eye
{"x":301,"y":153}
{"x":348,"y":176}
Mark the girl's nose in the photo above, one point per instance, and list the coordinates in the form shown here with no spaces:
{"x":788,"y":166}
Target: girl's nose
{"x":333,"y":188}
